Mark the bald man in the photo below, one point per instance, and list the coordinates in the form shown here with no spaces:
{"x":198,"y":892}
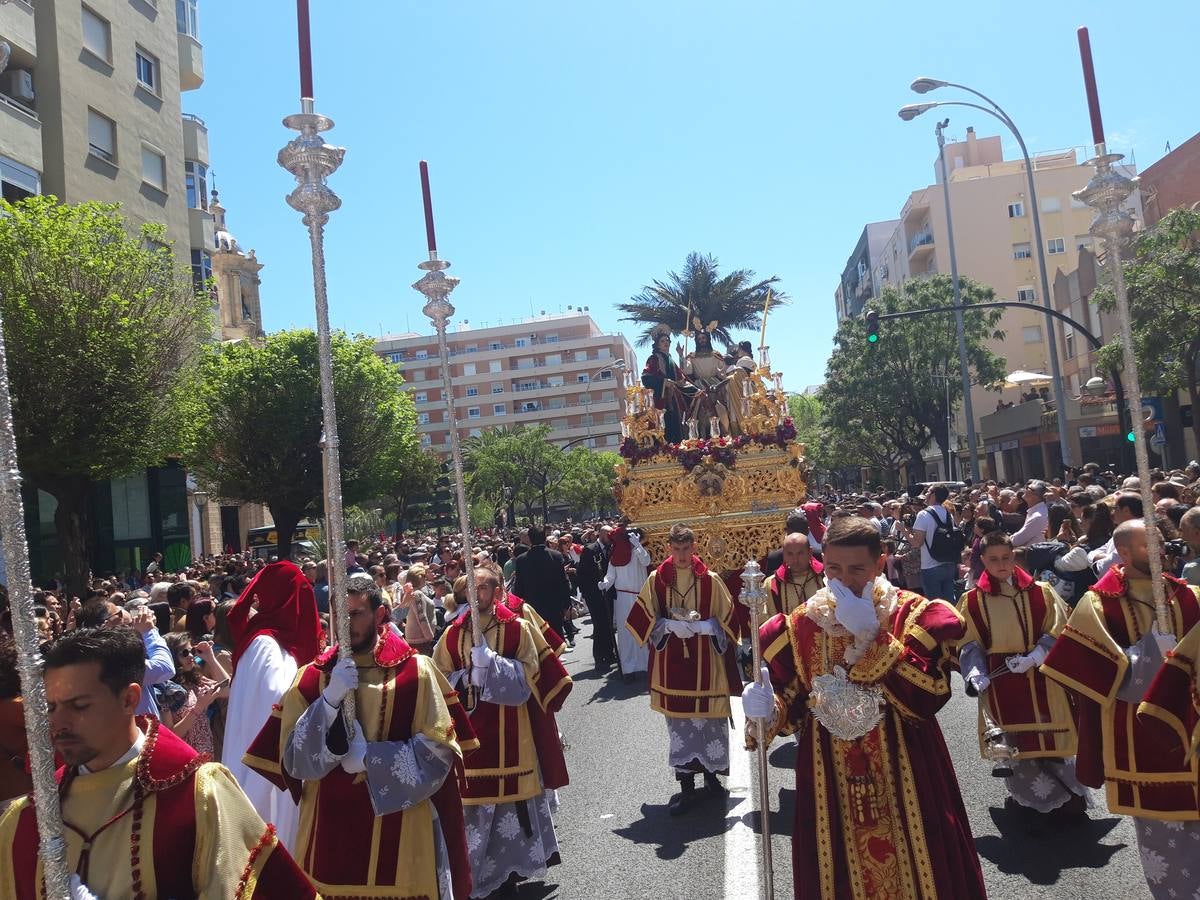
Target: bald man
{"x":1107,"y":655}
{"x":797,"y":579}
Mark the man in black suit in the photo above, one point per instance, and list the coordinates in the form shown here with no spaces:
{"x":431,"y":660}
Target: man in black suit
{"x":540,"y":578}
{"x":593,"y":566}
{"x":796,"y":521}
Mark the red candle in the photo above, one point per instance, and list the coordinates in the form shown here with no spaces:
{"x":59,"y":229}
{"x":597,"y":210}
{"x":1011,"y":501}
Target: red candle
{"x":1089,"y":84}
{"x":430,"y":237}
{"x":306,"y":78}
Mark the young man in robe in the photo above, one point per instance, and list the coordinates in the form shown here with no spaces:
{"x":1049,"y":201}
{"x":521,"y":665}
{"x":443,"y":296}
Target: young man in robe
{"x":685,"y":614}
{"x":275,"y":630}
{"x":1012,"y":622}
{"x":509,"y":826}
{"x":858,"y":674}
{"x":626,"y":576}
{"x":380,"y":812}
{"x":144,"y":815}
{"x":1107,"y":656}
{"x":797,"y":578}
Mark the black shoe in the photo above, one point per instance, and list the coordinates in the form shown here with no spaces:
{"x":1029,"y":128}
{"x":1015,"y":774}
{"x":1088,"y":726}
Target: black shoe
{"x":713,"y":785}
{"x":627,"y":678}
{"x":680,"y":802}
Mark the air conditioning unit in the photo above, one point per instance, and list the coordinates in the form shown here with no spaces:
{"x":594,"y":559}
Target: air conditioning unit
{"x":18,"y":84}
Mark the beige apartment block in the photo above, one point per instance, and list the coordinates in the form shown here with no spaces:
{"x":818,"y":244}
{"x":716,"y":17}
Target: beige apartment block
{"x":559,"y":370}
{"x":20,"y":125}
{"x":994,"y":244}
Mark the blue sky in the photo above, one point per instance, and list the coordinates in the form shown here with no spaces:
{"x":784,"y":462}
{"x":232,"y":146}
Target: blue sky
{"x":578,"y":150}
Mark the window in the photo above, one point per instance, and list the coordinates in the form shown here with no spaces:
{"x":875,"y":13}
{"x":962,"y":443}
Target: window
{"x":1022,"y":251}
{"x":530,"y":406}
{"x":554,"y":359}
{"x":499,"y":409}
{"x":585,"y":420}
{"x":1082,"y":241}
{"x":201,"y":269}
{"x":473,"y":391}
{"x":147,"y":70}
{"x":195,"y":175}
{"x":520,"y":342}
{"x":97,"y":35}
{"x":607,"y":397}
{"x":154,"y":168}
{"x":17,"y":181}
{"x":497,"y":389}
{"x":1069,"y":343}
{"x":550,"y":339}
{"x":605,"y":374}
{"x":475,"y":432}
{"x":102,"y":136}
{"x":426,"y":439}
{"x":420,"y":397}
{"x":582,"y":378}
{"x":1055,"y":245}
{"x":1032,"y":334}
{"x":472,"y":412}
{"x":1026,"y":295}
{"x":1051,"y":205}
{"x":495,"y":345}
{"x":610,"y":418}
{"x":468,"y":368}
{"x":187,"y":18}
{"x":1016,"y":210}
{"x":423,"y":418}
{"x":495,"y":365}
{"x":472,"y":348}
{"x":422,"y":354}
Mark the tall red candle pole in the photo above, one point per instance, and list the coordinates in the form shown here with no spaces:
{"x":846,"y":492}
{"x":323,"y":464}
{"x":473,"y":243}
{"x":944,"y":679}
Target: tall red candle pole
{"x":1089,"y":84}
{"x":430,"y":236}
{"x":306,"y":77}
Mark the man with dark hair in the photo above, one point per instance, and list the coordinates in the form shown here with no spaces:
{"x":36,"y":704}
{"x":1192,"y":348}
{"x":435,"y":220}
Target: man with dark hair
{"x":179,"y":598}
{"x":877,"y":802}
{"x":937,"y":575}
{"x":540,"y":578}
{"x":1126,"y":506}
{"x":379,"y":801}
{"x":125,"y":774}
{"x":593,"y":566}
{"x":685,"y":613}
{"x":1107,"y":657}
{"x":795,"y":523}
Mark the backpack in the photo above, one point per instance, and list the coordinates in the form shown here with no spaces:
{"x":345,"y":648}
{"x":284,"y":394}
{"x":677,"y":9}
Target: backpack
{"x":946,"y":544}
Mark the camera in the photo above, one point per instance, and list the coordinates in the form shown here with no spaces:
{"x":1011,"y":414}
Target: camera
{"x":1176,"y":547}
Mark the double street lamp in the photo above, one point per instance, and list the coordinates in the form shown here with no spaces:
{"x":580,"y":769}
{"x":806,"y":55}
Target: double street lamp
{"x":923,"y":86}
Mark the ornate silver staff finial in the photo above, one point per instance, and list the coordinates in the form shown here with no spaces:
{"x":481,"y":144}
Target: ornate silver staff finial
{"x":754,"y":596}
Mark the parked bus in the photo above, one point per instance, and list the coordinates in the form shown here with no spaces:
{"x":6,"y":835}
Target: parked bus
{"x":261,"y":541}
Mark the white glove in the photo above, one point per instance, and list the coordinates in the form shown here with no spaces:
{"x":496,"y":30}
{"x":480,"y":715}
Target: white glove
{"x":603,"y":585}
{"x":481,"y":664}
{"x":707,"y":626}
{"x":79,"y":890}
{"x":343,"y":678}
{"x":680,"y":628}
{"x":634,"y":539}
{"x":758,"y":700}
{"x":979,"y":683}
{"x":1166,"y":642}
{"x":355,"y":760}
{"x":1023,"y":662}
{"x":856,"y":613}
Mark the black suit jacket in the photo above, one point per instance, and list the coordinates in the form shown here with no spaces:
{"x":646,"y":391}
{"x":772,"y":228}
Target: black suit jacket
{"x":540,"y":578}
{"x":593,"y":566}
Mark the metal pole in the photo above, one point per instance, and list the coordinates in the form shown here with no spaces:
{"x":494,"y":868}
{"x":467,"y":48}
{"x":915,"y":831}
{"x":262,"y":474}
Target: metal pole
{"x":964,"y":369}
{"x":1106,"y":192}
{"x":52,"y":848}
{"x":753,"y":596}
{"x":436,"y":285}
{"x":311,"y":160}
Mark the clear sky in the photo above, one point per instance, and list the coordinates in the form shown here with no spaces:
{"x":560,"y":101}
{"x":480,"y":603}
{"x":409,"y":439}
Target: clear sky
{"x":578,"y":150}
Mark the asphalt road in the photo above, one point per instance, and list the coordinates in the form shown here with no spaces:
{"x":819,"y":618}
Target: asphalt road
{"x":618,"y":842}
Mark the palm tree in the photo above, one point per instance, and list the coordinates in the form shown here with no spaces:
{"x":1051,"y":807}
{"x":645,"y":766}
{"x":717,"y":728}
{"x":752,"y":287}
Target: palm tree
{"x":735,"y":300}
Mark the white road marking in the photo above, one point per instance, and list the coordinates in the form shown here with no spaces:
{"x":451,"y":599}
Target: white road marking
{"x":741,"y":843}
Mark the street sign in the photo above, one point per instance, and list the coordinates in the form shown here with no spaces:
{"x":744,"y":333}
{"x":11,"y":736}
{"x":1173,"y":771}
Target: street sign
{"x":1160,"y":435}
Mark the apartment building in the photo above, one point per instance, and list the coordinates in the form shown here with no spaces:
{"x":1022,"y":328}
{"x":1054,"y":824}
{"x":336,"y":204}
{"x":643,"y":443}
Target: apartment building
{"x":560,"y":370}
{"x":865,"y":272}
{"x":994,"y":244}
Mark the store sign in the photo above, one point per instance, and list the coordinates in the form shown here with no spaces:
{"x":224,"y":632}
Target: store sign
{"x":1087,"y":431}
{"x":1009,"y":445}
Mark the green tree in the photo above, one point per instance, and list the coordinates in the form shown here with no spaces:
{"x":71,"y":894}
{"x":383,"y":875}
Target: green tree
{"x":588,"y":482}
{"x":882,"y":403}
{"x":103,"y":330}
{"x":491,"y":467}
{"x":410,"y":475}
{"x":734,"y":301}
{"x":260,"y":435}
{"x":1163,"y":281}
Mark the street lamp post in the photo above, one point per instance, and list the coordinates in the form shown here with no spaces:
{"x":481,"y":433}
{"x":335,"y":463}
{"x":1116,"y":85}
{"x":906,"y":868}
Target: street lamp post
{"x":925,"y":85}
{"x":619,"y":365}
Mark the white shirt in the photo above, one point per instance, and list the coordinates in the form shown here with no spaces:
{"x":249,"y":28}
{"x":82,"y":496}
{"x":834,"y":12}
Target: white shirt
{"x":125,"y":757}
{"x":1034,"y":529}
{"x":928,"y":522}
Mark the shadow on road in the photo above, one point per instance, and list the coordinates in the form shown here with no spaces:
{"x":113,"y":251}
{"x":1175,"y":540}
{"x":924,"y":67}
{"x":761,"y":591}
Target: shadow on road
{"x":671,"y":835}
{"x":616,"y":688}
{"x":1020,"y":847}
{"x":529,"y":890}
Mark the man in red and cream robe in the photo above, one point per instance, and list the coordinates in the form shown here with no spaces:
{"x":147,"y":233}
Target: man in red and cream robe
{"x":1012,"y":622}
{"x":858,"y":675}
{"x":506,"y":804}
{"x":626,"y":575}
{"x":797,"y":579}
{"x":380,"y":812}
{"x":685,"y":614}
{"x":1107,"y":657}
{"x":1173,"y":701}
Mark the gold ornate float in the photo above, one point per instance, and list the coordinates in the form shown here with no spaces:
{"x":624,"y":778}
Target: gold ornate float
{"x":733,"y":490}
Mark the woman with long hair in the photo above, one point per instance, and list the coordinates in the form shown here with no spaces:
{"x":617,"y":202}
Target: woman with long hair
{"x":201,"y":619}
{"x":189,"y":719}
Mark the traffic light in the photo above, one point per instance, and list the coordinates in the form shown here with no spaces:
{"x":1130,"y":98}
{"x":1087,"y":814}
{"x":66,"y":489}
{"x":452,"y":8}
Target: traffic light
{"x":1130,"y":437}
{"x":872,"y":318}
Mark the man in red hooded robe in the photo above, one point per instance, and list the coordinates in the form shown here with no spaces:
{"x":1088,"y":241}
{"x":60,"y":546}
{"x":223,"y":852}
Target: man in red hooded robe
{"x":275,"y":631}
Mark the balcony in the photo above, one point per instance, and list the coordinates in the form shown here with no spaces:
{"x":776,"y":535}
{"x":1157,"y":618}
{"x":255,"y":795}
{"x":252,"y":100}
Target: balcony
{"x":200,"y":229}
{"x":1013,"y":419}
{"x":920,"y":247}
{"x":195,"y":138}
{"x":16,"y":28}
{"x":191,"y":63}
{"x":20,"y":134}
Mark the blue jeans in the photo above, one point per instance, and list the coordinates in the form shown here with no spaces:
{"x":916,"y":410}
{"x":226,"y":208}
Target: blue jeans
{"x":938,"y":583}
